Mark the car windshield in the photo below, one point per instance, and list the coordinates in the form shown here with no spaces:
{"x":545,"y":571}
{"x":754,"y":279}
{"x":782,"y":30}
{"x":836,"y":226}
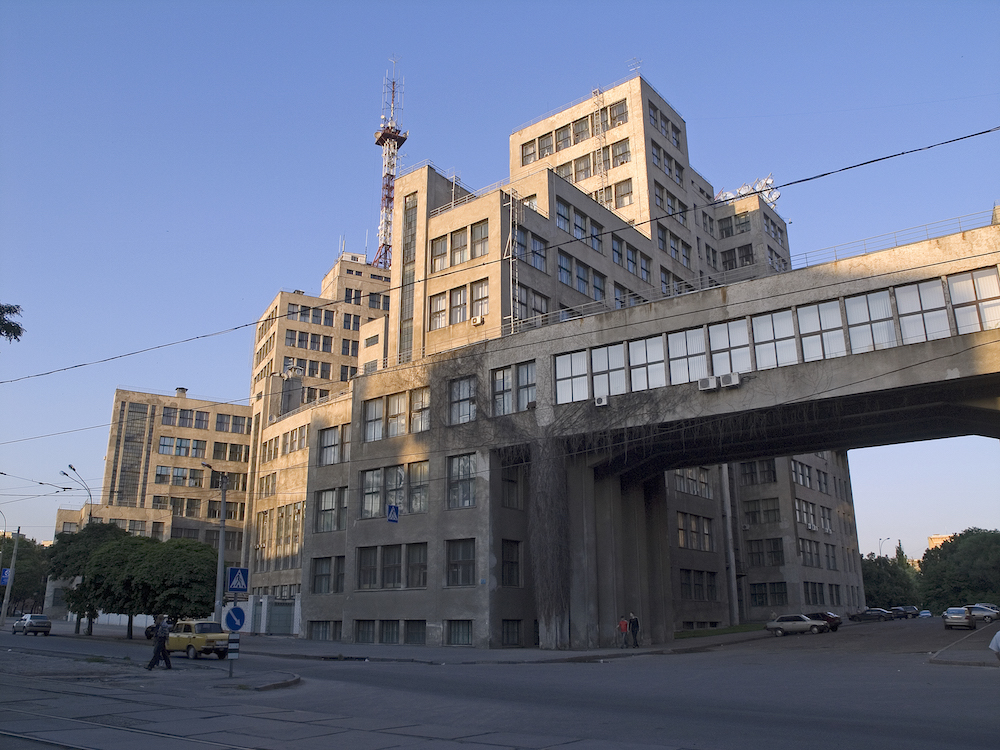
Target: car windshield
{"x":208,"y":627}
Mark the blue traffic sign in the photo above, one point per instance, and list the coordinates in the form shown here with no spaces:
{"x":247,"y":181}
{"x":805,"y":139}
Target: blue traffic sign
{"x":4,"y":576}
{"x":238,"y":580}
{"x":235,"y":618}
{"x":392,"y":513}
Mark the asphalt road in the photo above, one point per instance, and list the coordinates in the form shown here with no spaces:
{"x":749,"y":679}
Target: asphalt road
{"x":867,"y":685}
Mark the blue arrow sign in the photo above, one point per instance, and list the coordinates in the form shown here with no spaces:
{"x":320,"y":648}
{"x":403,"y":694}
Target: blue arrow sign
{"x":238,"y":580}
{"x":235,"y":618}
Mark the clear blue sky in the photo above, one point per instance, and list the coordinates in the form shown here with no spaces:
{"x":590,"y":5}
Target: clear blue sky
{"x":167,"y":167}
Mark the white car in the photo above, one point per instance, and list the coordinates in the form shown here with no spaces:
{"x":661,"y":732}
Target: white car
{"x":797,"y":624}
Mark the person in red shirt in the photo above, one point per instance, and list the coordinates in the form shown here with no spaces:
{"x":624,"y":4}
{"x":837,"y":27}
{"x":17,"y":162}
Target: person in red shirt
{"x":623,"y":631}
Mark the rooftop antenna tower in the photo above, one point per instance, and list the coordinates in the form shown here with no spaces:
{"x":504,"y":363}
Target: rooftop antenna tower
{"x":390,"y":138}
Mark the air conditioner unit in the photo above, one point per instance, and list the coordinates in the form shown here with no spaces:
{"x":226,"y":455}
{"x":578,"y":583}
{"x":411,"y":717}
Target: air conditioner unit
{"x":530,"y":405}
{"x":710,"y":383}
{"x":827,"y":531}
{"x":478,"y":320}
{"x":730,"y":380}
{"x":601,"y":401}
{"x":811,"y":527}
{"x":746,"y":527}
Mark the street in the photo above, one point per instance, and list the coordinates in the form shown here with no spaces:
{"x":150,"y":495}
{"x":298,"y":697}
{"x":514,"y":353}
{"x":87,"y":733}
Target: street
{"x":871,"y":683}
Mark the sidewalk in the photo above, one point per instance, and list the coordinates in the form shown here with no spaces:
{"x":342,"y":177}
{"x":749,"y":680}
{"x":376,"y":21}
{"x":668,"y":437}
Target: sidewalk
{"x":970,"y":650}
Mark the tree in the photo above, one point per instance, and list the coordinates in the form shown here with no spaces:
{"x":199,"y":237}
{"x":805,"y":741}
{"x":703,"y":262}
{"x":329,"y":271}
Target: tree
{"x":114,"y":583}
{"x":9,"y":329}
{"x":29,"y":578}
{"x":963,"y":570}
{"x":70,"y":555}
{"x":887,"y":584}
{"x":180,"y":577}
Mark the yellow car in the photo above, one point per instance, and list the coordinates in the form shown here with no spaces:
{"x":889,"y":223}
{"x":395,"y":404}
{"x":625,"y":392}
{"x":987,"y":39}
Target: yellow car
{"x":197,"y":637}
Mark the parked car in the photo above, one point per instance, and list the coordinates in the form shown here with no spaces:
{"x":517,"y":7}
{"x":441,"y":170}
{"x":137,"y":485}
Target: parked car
{"x":959,"y":617}
{"x":831,"y":619}
{"x":925,"y":613}
{"x":33,"y":624}
{"x":905,"y":612}
{"x":986,"y":614}
{"x":872,"y":613}
{"x":197,"y":637}
{"x":990,"y":606}
{"x":797,"y":624}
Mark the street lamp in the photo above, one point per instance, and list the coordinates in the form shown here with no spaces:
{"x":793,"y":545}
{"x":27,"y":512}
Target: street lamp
{"x":79,"y":480}
{"x":220,"y":569}
{"x":880,"y":545}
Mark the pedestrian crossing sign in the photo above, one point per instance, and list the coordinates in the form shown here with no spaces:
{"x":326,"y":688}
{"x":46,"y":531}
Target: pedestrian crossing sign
{"x":238,"y":579}
{"x":392,"y":513}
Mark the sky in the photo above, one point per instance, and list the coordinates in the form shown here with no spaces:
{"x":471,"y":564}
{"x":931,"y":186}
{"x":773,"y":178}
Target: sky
{"x":167,"y":167}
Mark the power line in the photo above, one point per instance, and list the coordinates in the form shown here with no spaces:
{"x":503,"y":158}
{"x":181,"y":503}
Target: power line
{"x":556,"y":245}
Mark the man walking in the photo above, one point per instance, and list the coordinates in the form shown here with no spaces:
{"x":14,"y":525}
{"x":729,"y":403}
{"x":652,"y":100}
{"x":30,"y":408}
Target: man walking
{"x":160,"y":635}
{"x":633,"y":626}
{"x":623,"y":631}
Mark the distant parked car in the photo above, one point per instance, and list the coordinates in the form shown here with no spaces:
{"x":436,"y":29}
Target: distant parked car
{"x":990,"y":606}
{"x":905,"y":612}
{"x":985,"y":614}
{"x":33,"y":624}
{"x":925,"y":613}
{"x":831,"y":619}
{"x":872,"y":613}
{"x":797,"y":624}
{"x":959,"y":617}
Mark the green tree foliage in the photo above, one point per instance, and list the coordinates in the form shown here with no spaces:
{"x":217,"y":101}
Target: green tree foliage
{"x":887,"y":583}
{"x":180,"y":577}
{"x":9,"y":329}
{"x":963,"y":570}
{"x":111,"y":572}
{"x":69,"y":557}
{"x":28,"y":593}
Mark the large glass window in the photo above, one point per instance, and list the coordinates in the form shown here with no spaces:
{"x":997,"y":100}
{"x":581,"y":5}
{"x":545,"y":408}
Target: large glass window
{"x":774,"y":340}
{"x":975,"y":297}
{"x":371,"y":493}
{"x":459,"y":247}
{"x":461,"y":562}
{"x":419,"y":472}
{"x":367,"y":568}
{"x":822,"y":331}
{"x":373,"y":420}
{"x":439,"y":254}
{"x":869,"y":321}
{"x":571,"y":377}
{"x":608,"y":363}
{"x":416,"y":565}
{"x":420,"y":414}
{"x":480,"y":238}
{"x":462,"y":481}
{"x":688,"y":361}
{"x":525,"y":385}
{"x":922,"y":314}
{"x":503,"y":401}
{"x":331,"y":509}
{"x":439,"y":311}
{"x":730,"y":346}
{"x":459,"y":309}
{"x":397,"y":414}
{"x":462,"y":398}
{"x":646,"y":365}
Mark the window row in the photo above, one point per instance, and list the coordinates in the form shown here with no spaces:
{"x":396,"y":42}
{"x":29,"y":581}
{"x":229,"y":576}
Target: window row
{"x":765,"y":552}
{"x":585,"y":280}
{"x":666,"y":201}
{"x":763,"y":510}
{"x":513,"y":388}
{"x":575,"y":132}
{"x":693,"y":481}
{"x":316,"y":369}
{"x":658,"y":119}
{"x":695,"y":532}
{"x":594,"y":163}
{"x":758,"y":472}
{"x":454,"y":248}
{"x":733,"y":225}
{"x":396,"y":414}
{"x":314,"y":315}
{"x":662,"y":160}
{"x":670,"y":243}
{"x":334,"y":445}
{"x":459,"y":304}
{"x":288,"y":442}
{"x":403,"y":486}
{"x":699,"y":585}
{"x":305,"y":340}
{"x":412,"y":632}
{"x":278,"y":538}
{"x":376,"y":300}
{"x":182,"y":447}
{"x":769,"y":594}
{"x":187,"y":507}
{"x":174,"y":417}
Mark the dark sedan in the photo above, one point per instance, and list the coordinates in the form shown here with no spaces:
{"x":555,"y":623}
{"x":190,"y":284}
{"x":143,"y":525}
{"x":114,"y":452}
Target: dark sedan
{"x":830,"y":618}
{"x":872,"y":613}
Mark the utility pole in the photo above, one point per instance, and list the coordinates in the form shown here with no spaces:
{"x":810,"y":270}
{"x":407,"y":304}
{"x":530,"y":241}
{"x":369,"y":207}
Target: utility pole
{"x":220,"y":570}
{"x":10,"y":580}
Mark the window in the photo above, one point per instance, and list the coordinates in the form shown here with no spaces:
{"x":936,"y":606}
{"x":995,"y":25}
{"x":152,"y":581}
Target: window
{"x":321,"y":573}
{"x":503,"y":402}
{"x":367,"y":567}
{"x":802,"y":475}
{"x":462,"y":481}
{"x":620,"y":153}
{"x":373,"y":420}
{"x":922,"y":314}
{"x":581,"y":168}
{"x":331,"y":510}
{"x":869,"y":322}
{"x":461,"y":562}
{"x":730,"y":347}
{"x":545,"y":145}
{"x":169,"y":417}
{"x":582,"y":278}
{"x":166,"y":446}
{"x":198,"y":448}
{"x":338,"y":574}
{"x":364,"y":631}
{"x":462,"y":397}
{"x":459,"y":632}
{"x":511,"y":633}
{"x":775,"y":550}
{"x":565,"y":171}
{"x":742,"y":222}
{"x":765,"y":510}
{"x":179,"y":477}
{"x":480,"y":298}
{"x":396,"y":414}
{"x":459,"y":308}
{"x":371,"y":493}
{"x":392,"y":569}
{"x":186,"y":418}
{"x":581,"y":130}
{"x":439,"y":254}
{"x":525,"y":385}
{"x":600,"y":283}
{"x":329,"y":446}
{"x":521,"y":244}
{"x":831,"y":556}
{"x":571,"y":377}
{"x":579,"y":225}
{"x":196,"y":477}
{"x":687,"y":356}
{"x":459,"y":247}
{"x":813,"y":593}
{"x":539,"y":251}
{"x":417,"y":487}
{"x":758,"y":594}
{"x":774,"y":340}
{"x":565,"y":269}
{"x":694,"y":532}
{"x":618,"y":113}
{"x":416,"y":565}
{"x":646,"y":365}
{"x":395,"y":486}
{"x":420,"y":399}
{"x":822,"y":332}
{"x":562,"y":215}
{"x":975,"y":297}
{"x":192,"y":508}
{"x":480,"y":238}
{"x":608,"y":368}
{"x":510,"y":574}
{"x":439,"y":311}
{"x":698,"y":585}
{"x":527,"y":153}
{"x":726,"y":227}
{"x":623,"y":193}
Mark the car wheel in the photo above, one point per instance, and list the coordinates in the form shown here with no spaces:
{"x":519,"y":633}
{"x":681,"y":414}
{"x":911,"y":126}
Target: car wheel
{"x":778,"y":632}
{"x":881,"y":618}
{"x":45,"y":633}
{"x":222,"y":654}
{"x":987,"y":619}
{"x":947,"y":626}
{"x":814,"y":630}
{"x":833,"y":628}
{"x":192,"y":652}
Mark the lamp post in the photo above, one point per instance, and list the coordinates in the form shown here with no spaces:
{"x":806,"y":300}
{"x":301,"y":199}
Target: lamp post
{"x":220,"y":570}
{"x":79,"y":480}
{"x":880,"y":545}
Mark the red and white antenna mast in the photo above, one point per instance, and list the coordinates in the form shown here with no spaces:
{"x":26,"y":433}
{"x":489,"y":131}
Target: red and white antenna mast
{"x":390,"y":138}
